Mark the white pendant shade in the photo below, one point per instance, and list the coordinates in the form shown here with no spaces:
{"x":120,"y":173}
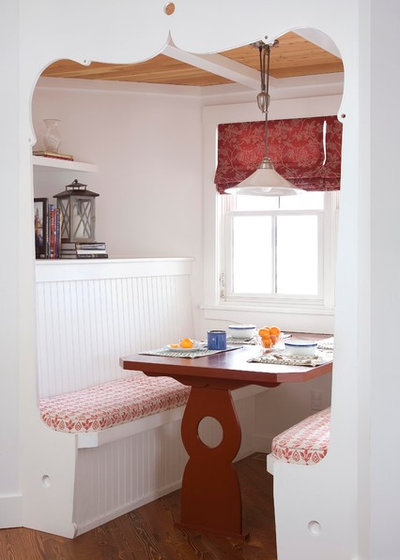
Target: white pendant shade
{"x":265,"y":181}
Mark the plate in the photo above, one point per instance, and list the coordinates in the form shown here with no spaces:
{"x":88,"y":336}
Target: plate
{"x":196,"y":346}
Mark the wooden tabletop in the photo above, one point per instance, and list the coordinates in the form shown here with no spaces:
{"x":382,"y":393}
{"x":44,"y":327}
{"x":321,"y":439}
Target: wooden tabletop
{"x":225,"y":366}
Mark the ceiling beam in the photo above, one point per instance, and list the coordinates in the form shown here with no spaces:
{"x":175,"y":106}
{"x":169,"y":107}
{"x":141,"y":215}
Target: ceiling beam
{"x":219,"y":65}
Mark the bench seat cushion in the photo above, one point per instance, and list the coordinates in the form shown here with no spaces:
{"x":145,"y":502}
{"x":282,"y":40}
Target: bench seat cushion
{"x":307,"y":442}
{"x":109,"y":404}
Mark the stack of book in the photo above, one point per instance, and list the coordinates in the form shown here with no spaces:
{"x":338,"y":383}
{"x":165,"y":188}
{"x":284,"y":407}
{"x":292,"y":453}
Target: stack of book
{"x":55,"y":155}
{"x":83,"y":250}
{"x":47,"y":223}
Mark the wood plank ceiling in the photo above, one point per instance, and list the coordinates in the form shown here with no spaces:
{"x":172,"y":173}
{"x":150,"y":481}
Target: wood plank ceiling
{"x":294,"y":56}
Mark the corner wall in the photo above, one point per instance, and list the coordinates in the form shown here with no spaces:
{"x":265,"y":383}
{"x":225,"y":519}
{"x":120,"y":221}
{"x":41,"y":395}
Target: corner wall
{"x":10,"y":497}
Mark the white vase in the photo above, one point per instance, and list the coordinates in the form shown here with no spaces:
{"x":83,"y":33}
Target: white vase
{"x":51,"y":138}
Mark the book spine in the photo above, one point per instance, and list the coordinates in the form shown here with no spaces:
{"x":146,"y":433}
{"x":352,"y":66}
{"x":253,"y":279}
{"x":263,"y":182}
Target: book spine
{"x":57,"y":225}
{"x":93,"y":256}
{"x":90,"y":246}
{"x":52,"y":231}
{"x":90,"y":251}
{"x":83,"y":246}
{"x":47,"y":233}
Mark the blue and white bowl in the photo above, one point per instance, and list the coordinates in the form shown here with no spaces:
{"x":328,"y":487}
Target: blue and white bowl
{"x":241,"y":331}
{"x":295,"y":347}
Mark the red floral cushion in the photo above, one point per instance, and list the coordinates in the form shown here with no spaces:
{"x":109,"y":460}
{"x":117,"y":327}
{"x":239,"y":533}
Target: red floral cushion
{"x":112,"y":403}
{"x":307,"y":442}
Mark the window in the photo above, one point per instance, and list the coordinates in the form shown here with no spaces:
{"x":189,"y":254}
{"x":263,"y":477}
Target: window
{"x":278,"y":249}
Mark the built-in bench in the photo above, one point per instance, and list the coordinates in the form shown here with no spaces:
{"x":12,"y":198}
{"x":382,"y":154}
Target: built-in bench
{"x":109,"y":440}
{"x":305,"y":443}
{"x":113,"y":403}
{"x":301,"y":467}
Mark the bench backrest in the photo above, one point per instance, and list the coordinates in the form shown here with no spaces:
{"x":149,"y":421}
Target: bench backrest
{"x":91,"y":313}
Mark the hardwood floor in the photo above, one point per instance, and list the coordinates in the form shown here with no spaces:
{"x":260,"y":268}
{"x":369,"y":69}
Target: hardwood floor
{"x":148,"y":533}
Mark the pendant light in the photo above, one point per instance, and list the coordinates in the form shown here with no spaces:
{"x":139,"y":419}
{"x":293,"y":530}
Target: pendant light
{"x":265,"y":181}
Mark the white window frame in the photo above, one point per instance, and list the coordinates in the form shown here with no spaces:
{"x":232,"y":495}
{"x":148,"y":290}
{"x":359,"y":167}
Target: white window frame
{"x":327,"y":218}
{"x":293,"y":315}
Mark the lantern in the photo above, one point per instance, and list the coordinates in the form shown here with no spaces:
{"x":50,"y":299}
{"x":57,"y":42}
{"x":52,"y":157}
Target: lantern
{"x":77,"y":212}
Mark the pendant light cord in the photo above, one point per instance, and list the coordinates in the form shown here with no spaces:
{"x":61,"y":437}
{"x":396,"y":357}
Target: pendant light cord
{"x":267,"y":49}
{"x":263,"y":97}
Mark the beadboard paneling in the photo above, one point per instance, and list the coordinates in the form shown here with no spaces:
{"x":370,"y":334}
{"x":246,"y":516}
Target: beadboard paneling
{"x":86,"y":322}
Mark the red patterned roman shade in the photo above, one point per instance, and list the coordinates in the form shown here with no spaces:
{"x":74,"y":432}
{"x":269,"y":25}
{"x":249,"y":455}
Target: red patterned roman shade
{"x":306,"y":152}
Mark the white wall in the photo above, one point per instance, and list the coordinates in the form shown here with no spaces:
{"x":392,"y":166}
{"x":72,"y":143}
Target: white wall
{"x":147,"y":145}
{"x":385,"y":284}
{"x":9,"y":296}
{"x":148,"y":150}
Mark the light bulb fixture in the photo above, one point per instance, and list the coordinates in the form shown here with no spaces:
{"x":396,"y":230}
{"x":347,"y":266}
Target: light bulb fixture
{"x":265,"y":181}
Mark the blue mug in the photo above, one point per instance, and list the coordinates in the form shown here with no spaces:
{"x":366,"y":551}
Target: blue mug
{"x":216,"y":340}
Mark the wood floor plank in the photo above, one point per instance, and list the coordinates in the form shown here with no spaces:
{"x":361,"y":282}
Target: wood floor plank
{"x":149,"y":533}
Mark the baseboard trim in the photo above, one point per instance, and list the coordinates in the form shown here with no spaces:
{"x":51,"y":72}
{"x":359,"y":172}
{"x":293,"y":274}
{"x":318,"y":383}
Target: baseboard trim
{"x":126,"y":508}
{"x":10,"y":511}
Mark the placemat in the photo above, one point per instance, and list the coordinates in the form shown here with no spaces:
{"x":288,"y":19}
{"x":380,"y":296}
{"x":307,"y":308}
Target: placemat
{"x":280,"y":358}
{"x":241,"y":341}
{"x":200,"y":353}
{"x":326,"y":344}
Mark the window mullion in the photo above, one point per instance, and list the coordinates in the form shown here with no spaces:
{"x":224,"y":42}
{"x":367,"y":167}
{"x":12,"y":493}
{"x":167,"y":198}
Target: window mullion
{"x":274,"y":271}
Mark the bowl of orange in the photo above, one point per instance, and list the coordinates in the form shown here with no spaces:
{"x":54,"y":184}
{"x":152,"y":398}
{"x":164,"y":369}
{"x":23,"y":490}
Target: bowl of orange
{"x":269,"y":337}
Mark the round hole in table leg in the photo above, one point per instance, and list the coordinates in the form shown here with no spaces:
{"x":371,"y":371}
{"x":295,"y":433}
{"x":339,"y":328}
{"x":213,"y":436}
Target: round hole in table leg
{"x":210,"y":431}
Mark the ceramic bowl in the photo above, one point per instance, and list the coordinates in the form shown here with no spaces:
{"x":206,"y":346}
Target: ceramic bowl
{"x":241,"y":331}
{"x":301,"y":347}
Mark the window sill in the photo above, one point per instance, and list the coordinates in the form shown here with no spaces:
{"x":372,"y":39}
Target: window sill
{"x":296,"y":318}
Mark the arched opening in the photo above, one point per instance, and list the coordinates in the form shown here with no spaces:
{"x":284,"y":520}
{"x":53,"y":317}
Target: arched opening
{"x":149,"y":165}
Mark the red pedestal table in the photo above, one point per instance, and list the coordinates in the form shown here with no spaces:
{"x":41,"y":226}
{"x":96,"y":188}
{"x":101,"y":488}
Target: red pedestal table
{"x":210,"y":497}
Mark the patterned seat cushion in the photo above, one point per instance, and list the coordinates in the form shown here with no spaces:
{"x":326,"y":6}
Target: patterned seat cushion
{"x":112,"y":403}
{"x":307,"y":442}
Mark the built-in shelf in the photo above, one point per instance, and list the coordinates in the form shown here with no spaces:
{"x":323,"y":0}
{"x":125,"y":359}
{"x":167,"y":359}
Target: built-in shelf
{"x":54,"y":163}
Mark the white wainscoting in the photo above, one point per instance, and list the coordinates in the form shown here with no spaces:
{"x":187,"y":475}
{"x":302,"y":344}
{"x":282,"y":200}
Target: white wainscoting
{"x":90,"y":313}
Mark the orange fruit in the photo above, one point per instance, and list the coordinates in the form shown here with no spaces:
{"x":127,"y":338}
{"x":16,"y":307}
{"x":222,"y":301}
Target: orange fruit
{"x":266,"y":341}
{"x":174,"y":345}
{"x":275,"y":330}
{"x":265,"y":331}
{"x":186,"y":343}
